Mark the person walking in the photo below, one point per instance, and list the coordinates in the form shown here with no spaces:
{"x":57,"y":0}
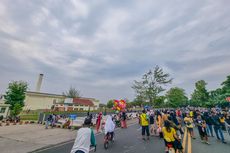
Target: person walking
{"x":217,"y":127}
{"x":48,"y":121}
{"x":159,"y":124}
{"x":144,"y":125}
{"x":209,"y":123}
{"x":151,"y":122}
{"x":189,"y":124}
{"x":98,"y":122}
{"x":123,"y":120}
{"x":227,"y":123}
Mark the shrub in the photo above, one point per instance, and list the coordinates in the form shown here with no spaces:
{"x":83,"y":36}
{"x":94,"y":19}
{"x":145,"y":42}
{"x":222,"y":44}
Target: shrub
{"x":1,"y":117}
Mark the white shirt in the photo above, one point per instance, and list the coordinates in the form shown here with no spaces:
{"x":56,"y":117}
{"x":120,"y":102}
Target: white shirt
{"x":109,"y":125}
{"x":82,"y":142}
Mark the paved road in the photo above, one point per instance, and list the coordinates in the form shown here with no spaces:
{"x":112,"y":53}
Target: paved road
{"x":214,"y":147}
{"x":129,"y":141}
{"x":126,"y":141}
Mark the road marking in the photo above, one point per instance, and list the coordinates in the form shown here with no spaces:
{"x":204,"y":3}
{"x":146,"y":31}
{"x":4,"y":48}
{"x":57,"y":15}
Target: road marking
{"x":189,"y":143}
{"x":184,"y":139}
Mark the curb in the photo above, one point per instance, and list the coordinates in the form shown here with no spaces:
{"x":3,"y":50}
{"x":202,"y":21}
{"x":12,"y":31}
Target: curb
{"x":51,"y":146}
{"x":7,"y":123}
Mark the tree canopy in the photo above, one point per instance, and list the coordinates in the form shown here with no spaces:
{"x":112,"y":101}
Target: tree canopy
{"x":200,"y":96}
{"x":151,"y":85}
{"x":110,"y":103}
{"x":15,"y":96}
{"x":16,"y":93}
{"x":176,"y":97}
{"x":72,"y":93}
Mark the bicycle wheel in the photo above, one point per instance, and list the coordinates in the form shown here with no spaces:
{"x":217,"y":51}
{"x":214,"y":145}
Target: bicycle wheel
{"x":106,"y":145}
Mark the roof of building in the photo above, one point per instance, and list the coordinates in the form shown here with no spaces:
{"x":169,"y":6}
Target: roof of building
{"x":43,"y":94}
{"x":85,"y":102}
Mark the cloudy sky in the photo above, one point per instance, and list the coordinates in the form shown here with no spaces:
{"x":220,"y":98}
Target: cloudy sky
{"x":101,"y":46}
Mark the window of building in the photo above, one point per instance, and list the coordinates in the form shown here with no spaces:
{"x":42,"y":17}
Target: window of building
{"x":2,"y":110}
{"x":81,"y":109}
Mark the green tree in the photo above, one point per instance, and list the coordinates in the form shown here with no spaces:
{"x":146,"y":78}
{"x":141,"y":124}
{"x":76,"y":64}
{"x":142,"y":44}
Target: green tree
{"x":152,"y":84}
{"x":218,"y":96}
{"x":102,"y":105}
{"x":72,"y":93}
{"x":16,"y":94}
{"x":200,"y":96}
{"x":138,"y":101}
{"x":159,"y":101}
{"x":129,"y":104}
{"x":16,"y":110}
{"x":110,"y":103}
{"x":226,"y":85}
{"x":176,"y":97}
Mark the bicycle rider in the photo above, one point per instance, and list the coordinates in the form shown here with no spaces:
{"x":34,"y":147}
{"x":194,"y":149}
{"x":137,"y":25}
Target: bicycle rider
{"x":169,"y":134}
{"x":109,"y":127}
{"x":85,"y":138}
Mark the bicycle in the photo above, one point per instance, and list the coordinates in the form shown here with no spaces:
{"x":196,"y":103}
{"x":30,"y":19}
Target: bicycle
{"x":170,"y":148}
{"x":107,"y":139}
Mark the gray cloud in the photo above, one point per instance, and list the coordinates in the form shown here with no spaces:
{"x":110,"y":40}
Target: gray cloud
{"x":102,"y":46}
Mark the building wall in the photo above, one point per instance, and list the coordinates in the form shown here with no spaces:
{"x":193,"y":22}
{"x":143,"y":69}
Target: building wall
{"x":81,"y":107}
{"x":4,"y":110}
{"x":2,"y":101}
{"x":96,"y":104}
{"x":73,"y":108}
{"x":42,"y":101}
{"x":39,"y":101}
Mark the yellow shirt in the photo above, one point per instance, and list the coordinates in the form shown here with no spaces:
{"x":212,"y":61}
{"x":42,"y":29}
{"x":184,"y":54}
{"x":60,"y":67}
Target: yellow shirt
{"x":144,"y":120}
{"x":189,"y":121}
{"x":222,"y":120}
{"x":169,"y":136}
{"x":191,"y":113}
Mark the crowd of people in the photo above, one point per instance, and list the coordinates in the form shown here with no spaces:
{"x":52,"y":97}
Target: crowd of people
{"x":170,"y":124}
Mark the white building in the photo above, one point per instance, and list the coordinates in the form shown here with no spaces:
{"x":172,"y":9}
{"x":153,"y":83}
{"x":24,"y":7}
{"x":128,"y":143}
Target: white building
{"x":4,"y":108}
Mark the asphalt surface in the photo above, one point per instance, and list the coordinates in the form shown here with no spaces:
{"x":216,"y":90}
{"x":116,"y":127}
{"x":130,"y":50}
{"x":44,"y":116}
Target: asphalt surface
{"x":130,"y":141}
{"x":214,"y":147}
{"x":126,"y":141}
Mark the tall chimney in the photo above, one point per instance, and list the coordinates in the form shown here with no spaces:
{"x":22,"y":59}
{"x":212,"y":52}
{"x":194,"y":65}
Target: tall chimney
{"x":39,"y":83}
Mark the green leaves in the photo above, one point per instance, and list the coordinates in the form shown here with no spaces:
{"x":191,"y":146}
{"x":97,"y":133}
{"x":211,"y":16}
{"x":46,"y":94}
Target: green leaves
{"x":15,"y":94}
{"x":226,"y":85}
{"x":152,"y":84}
{"x":200,"y":96}
{"x":110,"y":103}
{"x":16,"y":109}
{"x":218,"y":96}
{"x":176,"y":97}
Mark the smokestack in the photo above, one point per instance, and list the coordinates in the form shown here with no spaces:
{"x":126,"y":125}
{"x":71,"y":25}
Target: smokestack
{"x":39,"y":83}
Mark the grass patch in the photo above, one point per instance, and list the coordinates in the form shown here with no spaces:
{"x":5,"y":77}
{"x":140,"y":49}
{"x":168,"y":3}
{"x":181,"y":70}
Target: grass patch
{"x":31,"y":117}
